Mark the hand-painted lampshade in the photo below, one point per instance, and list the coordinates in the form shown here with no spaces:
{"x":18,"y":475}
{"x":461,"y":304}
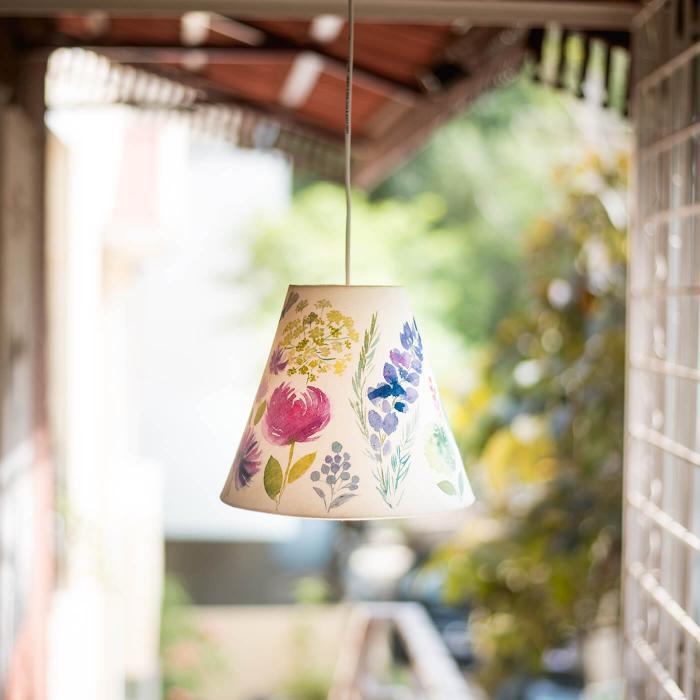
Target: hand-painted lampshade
{"x":347,"y":422}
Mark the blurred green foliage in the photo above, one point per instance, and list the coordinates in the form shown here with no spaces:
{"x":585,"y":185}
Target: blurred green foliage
{"x":309,"y":680}
{"x":448,"y":224}
{"x":544,"y":428}
{"x":311,"y":590}
{"x":512,"y":247}
{"x":307,"y":685}
{"x":189,"y":657}
{"x":492,"y":165}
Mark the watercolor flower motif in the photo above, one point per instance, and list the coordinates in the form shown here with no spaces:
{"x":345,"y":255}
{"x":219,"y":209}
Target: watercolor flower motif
{"x":391,"y":398}
{"x":439,"y":451}
{"x":247,"y":461}
{"x":398,"y":390}
{"x":278,"y":361}
{"x":339,"y":482}
{"x":441,"y":454}
{"x":262,"y":390}
{"x":290,"y":301}
{"x":294,"y":418}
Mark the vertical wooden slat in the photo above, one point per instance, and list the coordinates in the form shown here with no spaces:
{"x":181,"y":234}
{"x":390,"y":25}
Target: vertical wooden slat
{"x":25,"y":475}
{"x":663,"y":384}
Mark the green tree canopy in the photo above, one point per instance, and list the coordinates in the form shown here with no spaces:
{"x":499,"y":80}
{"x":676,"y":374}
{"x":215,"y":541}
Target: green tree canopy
{"x":447,"y":225}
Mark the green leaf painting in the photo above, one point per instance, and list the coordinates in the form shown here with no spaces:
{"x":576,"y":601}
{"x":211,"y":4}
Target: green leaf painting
{"x":448,"y":488}
{"x":441,"y":455}
{"x":439,"y":450}
{"x":365,"y":365}
{"x":273,"y":478}
{"x":276,"y":479}
{"x":301,"y":466}
{"x":260,"y":412}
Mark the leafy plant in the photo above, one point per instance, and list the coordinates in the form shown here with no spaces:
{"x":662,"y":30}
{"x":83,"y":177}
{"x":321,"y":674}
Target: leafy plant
{"x":307,"y":685}
{"x":545,"y":426}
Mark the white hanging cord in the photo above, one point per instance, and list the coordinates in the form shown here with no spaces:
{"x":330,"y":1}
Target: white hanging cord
{"x":348,"y":120}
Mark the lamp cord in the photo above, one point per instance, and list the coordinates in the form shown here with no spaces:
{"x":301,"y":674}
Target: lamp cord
{"x":348,"y":138}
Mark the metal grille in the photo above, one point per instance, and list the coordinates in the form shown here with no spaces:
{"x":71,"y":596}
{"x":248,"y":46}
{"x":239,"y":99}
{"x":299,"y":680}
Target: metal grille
{"x":662,"y":480}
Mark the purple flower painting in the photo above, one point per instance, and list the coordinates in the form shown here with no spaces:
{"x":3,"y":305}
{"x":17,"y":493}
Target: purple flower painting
{"x":391,"y":400}
{"x":278,"y":361}
{"x":246,"y":463}
{"x":292,"y":299}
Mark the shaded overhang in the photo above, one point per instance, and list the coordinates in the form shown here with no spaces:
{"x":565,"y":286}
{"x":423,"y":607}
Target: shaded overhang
{"x":278,"y":66}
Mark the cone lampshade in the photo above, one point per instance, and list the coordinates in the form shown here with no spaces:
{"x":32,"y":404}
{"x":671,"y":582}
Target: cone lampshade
{"x":347,"y":422}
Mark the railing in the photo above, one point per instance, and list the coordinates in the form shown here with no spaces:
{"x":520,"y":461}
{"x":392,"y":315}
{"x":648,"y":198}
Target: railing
{"x":370,"y":666}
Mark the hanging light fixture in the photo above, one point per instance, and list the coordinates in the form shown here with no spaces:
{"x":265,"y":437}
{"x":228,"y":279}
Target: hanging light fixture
{"x":347,"y":423}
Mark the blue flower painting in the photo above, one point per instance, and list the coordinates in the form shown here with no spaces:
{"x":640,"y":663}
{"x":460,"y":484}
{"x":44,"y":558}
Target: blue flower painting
{"x":391,"y":400}
{"x":335,"y":483}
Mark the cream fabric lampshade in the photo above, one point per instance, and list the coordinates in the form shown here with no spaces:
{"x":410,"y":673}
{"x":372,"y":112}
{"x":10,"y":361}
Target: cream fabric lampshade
{"x":347,"y":422}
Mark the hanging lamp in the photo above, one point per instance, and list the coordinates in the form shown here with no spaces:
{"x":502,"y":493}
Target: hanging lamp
{"x":347,"y":423}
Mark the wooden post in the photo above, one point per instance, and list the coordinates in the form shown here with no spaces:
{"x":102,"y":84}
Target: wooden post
{"x":25,"y":473}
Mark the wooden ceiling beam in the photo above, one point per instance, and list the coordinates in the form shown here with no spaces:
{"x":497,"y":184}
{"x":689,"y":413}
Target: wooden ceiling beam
{"x":267,"y":46}
{"x":402,"y":137}
{"x":370,"y":79}
{"x":215,"y":94}
{"x":574,"y":14}
{"x":249,"y":56}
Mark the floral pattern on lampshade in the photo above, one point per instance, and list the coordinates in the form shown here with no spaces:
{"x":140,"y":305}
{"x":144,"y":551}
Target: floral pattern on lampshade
{"x":347,"y":423}
{"x":246,"y":463}
{"x":392,"y":400}
{"x":335,"y":482}
{"x":290,"y":419}
{"x":316,"y":340}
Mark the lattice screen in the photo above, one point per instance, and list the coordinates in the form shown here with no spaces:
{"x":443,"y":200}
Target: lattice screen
{"x":662,"y":509}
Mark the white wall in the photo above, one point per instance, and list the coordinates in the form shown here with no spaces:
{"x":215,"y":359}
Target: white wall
{"x":199,"y":363}
{"x":153,"y":374}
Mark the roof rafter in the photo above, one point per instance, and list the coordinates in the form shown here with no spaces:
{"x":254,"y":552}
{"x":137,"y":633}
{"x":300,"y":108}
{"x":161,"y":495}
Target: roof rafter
{"x":216,"y":94}
{"x":138,"y":54}
{"x":271,"y":47}
{"x":575,"y":14}
{"x":406,"y":134}
{"x":368,"y":75}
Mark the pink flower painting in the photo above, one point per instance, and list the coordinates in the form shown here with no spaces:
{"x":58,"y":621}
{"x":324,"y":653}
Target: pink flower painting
{"x":294,"y":418}
{"x":291,"y":418}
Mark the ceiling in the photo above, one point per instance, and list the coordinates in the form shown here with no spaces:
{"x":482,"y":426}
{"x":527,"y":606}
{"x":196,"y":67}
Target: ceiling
{"x":283,"y":62}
